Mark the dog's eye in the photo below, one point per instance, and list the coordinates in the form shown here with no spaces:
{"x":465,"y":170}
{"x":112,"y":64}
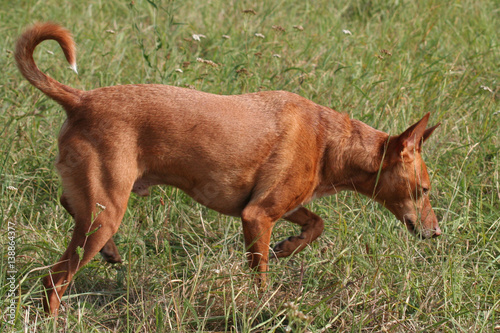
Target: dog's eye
{"x":425,"y":190}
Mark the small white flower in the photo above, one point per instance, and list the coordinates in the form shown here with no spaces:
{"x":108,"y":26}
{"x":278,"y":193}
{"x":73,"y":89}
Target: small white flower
{"x":50,"y":52}
{"x":178,"y":70}
{"x":346,"y":32}
{"x":225,"y":36}
{"x":276,"y":55}
{"x":198,"y":37}
{"x":100,"y":206}
{"x":12,"y":188}
{"x":260,"y":35}
{"x":288,"y":329}
{"x":110,"y":31}
{"x":486,"y":88}
{"x":216,"y":271}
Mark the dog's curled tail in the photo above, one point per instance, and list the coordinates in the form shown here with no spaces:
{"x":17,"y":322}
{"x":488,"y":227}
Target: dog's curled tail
{"x":66,"y":96}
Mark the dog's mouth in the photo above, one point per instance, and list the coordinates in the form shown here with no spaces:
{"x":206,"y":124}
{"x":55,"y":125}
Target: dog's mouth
{"x":422,"y":234}
{"x":409,"y":222}
{"x":410,"y":225}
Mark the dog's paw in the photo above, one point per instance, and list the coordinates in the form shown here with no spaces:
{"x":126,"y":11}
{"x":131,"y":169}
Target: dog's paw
{"x":112,"y":258}
{"x":278,"y":251}
{"x":289,"y":246}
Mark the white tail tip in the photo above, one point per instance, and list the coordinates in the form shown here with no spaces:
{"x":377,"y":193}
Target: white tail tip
{"x":73,"y":67}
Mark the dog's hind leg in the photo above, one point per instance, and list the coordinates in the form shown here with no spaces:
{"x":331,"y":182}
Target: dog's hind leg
{"x":312,"y":226}
{"x":97,"y":195}
{"x":109,"y":251}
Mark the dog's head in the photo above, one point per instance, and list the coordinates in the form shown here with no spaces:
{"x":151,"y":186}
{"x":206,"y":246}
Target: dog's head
{"x":403,"y":184}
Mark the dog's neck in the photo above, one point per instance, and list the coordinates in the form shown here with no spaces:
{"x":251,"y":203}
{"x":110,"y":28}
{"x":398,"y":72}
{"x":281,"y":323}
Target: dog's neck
{"x":355,"y":150}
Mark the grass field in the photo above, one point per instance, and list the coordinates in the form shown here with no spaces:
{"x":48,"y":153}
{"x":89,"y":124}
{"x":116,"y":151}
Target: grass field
{"x":184,"y":267}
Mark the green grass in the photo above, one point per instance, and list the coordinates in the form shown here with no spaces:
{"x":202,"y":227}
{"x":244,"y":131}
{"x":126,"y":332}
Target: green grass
{"x":184,"y":267}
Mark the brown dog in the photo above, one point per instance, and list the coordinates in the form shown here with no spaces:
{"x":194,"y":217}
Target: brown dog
{"x":258,"y":156}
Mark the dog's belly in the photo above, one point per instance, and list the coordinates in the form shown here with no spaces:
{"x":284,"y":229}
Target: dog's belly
{"x":226,"y":199}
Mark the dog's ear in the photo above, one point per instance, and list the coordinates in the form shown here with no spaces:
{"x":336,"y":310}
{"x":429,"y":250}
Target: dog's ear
{"x":405,"y":145}
{"x":411,"y":139}
{"x":429,"y":131}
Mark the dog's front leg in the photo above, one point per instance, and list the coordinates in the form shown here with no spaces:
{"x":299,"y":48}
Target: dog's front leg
{"x":257,"y":228}
{"x":312,"y":226}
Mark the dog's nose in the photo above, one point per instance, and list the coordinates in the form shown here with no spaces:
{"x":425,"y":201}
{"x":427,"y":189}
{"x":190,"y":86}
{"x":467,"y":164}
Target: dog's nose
{"x":437,"y":232}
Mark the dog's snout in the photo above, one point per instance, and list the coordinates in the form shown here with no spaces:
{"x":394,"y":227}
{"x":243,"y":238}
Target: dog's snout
{"x":437,"y":232}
